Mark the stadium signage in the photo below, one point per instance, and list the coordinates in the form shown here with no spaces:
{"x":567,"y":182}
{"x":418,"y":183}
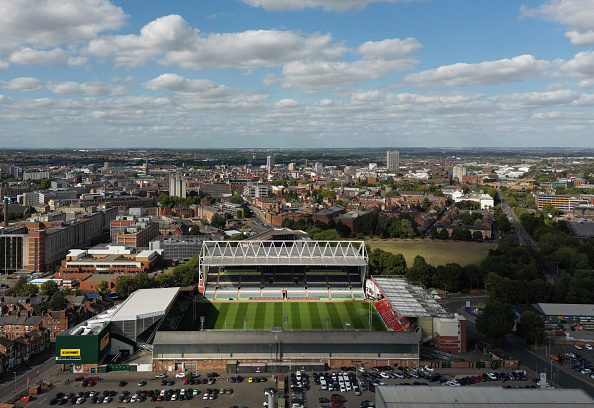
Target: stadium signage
{"x":104,"y":341}
{"x":70,"y":353}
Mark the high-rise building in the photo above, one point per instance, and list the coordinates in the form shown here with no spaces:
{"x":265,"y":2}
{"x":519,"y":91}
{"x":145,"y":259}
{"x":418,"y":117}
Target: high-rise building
{"x":177,"y":186}
{"x":393,"y":160}
{"x":318,"y":167}
{"x":269,"y":163}
{"x":459,"y":172}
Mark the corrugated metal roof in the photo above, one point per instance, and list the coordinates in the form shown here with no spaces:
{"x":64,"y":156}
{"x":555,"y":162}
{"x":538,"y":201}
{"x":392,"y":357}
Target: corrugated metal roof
{"x":301,"y":336}
{"x":481,"y":397}
{"x":565,"y":309}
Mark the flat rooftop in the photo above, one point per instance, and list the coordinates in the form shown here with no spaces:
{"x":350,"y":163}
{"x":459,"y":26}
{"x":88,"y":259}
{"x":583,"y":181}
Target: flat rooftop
{"x":565,"y":309}
{"x":146,"y":303}
{"x":479,"y":397}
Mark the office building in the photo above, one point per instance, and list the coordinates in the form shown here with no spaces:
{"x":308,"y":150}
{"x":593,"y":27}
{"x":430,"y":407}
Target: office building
{"x":459,"y":172}
{"x":177,"y":186}
{"x":269,"y":163}
{"x":393,"y":157}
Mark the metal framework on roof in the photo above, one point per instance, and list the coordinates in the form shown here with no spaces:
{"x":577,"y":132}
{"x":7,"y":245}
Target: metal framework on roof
{"x":409,"y":300}
{"x":282,"y":253}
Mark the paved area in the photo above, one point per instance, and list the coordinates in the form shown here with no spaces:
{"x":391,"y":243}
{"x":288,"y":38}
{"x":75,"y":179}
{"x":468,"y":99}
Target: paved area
{"x":244,"y":394}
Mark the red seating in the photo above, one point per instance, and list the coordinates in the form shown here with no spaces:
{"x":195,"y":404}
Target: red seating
{"x":391,"y":317}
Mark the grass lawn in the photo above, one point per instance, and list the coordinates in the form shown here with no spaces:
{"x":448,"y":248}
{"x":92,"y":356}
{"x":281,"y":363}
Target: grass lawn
{"x":435,"y":252}
{"x":301,"y":316}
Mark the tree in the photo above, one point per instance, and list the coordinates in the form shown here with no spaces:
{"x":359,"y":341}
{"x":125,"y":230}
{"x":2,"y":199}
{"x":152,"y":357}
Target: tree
{"x":124,"y":286}
{"x":236,"y":199}
{"x":531,"y":327}
{"x":496,"y":321}
{"x":218,"y":221}
{"x":29,"y":290}
{"x":57,"y":302}
{"x":49,"y":288}
{"x":102,"y":289}
{"x":195,"y":230}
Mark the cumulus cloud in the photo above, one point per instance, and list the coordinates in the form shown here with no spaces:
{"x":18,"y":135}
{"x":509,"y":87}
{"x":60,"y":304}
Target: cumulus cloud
{"x":88,"y":88}
{"x":177,"y":83}
{"x":4,"y":65}
{"x":29,"y":56}
{"x":22,"y":84}
{"x":204,"y":94}
{"x":582,"y":65}
{"x":485,"y":73}
{"x":577,"y":15}
{"x":380,"y":58}
{"x":171,"y":41}
{"x":50,"y":23}
{"x":169,"y":32}
{"x":335,"y":5}
{"x":540,"y":99}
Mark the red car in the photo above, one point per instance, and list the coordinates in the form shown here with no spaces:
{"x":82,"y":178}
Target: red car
{"x":338,"y":398}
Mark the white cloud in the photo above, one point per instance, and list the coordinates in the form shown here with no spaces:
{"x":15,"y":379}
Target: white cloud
{"x":162,"y":34}
{"x":4,"y":65}
{"x":380,"y":58}
{"x":22,"y":84}
{"x":29,"y":56}
{"x":582,"y":65}
{"x":313,"y":76}
{"x":516,"y":69}
{"x":50,"y":23}
{"x":392,"y":48}
{"x":335,"y":5}
{"x":254,"y":49}
{"x":177,"y":83}
{"x":89,"y":88}
{"x":172,"y":41}
{"x":577,"y":15}
{"x":540,"y":99}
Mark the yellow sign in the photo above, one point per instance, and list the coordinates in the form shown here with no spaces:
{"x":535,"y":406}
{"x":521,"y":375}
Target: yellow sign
{"x":104,"y":341}
{"x":70,"y":352}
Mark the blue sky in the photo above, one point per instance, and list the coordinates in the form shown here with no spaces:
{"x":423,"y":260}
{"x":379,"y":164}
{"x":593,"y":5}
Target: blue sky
{"x":296,"y":73}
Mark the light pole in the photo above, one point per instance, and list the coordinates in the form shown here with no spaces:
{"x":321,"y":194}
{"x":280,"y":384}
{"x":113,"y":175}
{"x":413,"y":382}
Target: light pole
{"x":15,"y":376}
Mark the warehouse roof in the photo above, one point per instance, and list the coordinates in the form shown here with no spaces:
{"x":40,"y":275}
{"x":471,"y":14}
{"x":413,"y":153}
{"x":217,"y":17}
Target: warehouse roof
{"x":564,"y":309}
{"x":146,"y":303}
{"x":479,"y":397}
{"x":296,"y":337}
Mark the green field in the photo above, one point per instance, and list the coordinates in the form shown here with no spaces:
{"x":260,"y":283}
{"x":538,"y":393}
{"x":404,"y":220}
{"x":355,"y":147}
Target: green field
{"x":436,"y":252}
{"x":301,"y":316}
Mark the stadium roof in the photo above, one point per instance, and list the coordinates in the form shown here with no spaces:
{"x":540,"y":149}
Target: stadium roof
{"x":478,"y":397}
{"x":409,"y":300}
{"x":257,"y":253}
{"x":564,"y":309}
{"x":146,"y":303}
{"x":296,"y":337}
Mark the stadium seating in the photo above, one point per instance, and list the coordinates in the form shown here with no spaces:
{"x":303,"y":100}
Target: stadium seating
{"x":224,"y":294}
{"x":391,"y":317}
{"x":247,"y":293}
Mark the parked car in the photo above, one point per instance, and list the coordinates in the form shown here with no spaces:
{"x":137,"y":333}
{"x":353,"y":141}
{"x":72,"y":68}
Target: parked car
{"x":180,"y":375}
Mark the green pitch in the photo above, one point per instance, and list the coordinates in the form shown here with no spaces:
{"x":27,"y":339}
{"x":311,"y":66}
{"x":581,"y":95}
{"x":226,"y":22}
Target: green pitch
{"x":300,"y":316}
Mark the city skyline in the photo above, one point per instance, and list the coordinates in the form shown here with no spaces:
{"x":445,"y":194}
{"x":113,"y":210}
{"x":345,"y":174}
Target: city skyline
{"x":299,"y":73}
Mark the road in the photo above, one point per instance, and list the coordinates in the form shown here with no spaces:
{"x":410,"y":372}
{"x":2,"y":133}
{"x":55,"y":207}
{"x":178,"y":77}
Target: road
{"x":45,"y":363}
{"x":530,"y":360}
{"x":551,"y":271}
